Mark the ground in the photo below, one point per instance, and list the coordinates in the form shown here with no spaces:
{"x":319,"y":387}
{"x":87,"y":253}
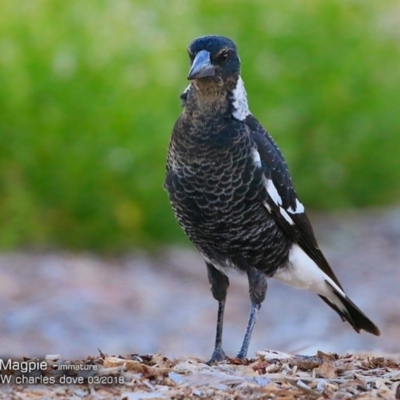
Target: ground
{"x":271,"y":375}
{"x":75,"y":304}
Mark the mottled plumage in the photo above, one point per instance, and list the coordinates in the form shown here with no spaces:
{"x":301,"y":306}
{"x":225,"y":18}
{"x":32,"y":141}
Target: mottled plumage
{"x":231,"y":191}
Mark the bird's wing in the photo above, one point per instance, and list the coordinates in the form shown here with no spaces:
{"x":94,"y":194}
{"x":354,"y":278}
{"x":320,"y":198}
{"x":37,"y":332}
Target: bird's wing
{"x":282,"y":201}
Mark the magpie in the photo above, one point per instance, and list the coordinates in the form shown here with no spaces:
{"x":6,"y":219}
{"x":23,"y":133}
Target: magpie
{"x":230,"y":189}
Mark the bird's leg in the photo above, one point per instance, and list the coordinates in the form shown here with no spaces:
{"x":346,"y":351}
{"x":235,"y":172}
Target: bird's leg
{"x":218,"y":353}
{"x":219,"y":287}
{"x":257,"y":290}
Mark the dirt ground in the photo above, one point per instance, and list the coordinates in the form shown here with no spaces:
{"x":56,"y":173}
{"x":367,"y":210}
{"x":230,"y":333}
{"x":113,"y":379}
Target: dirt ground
{"x":75,"y":304}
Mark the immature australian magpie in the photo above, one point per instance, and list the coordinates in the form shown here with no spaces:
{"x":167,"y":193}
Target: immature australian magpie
{"x":230,"y":190}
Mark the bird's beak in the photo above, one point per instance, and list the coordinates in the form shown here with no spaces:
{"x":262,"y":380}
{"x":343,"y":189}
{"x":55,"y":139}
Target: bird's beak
{"x":201,"y":66}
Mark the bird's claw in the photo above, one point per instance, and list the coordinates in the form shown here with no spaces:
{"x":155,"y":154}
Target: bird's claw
{"x":217,"y":356}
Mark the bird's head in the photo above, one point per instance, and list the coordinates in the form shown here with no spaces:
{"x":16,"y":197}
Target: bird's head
{"x":213,"y":59}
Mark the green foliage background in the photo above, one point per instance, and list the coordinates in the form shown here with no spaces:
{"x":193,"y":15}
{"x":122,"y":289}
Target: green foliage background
{"x":89,"y":92}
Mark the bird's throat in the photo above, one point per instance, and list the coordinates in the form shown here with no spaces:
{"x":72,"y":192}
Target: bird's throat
{"x":208,"y":99}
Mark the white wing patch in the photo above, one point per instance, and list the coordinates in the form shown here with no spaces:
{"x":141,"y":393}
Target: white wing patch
{"x":303,"y":273}
{"x":286,"y":215}
{"x":274,"y":195}
{"x":256,"y":158}
{"x":240,"y":101}
{"x":272,"y":192}
{"x":299,"y":209}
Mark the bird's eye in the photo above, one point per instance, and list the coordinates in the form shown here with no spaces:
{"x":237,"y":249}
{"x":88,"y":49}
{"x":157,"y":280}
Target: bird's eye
{"x":223,"y":56}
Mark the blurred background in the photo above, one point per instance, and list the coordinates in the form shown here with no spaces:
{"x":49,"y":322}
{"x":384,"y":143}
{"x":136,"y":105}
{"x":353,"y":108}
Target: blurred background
{"x":91,"y":255}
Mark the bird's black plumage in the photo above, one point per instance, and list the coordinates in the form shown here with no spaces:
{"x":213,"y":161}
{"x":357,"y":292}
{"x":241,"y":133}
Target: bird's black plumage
{"x":231,"y":191}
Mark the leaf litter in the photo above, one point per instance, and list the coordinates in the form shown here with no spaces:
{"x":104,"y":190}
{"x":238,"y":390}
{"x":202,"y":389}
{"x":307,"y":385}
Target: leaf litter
{"x":271,"y":375}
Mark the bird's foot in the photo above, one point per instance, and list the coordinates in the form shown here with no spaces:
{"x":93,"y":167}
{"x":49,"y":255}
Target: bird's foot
{"x":217,"y":356}
{"x":242,"y":355}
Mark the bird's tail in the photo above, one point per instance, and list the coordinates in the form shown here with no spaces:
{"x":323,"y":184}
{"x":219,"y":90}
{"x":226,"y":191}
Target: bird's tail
{"x":349,"y":312}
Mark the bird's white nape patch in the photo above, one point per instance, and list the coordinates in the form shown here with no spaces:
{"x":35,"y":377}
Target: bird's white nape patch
{"x":256,"y":158}
{"x":303,"y":273}
{"x":299,"y":209}
{"x":241,"y":108}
